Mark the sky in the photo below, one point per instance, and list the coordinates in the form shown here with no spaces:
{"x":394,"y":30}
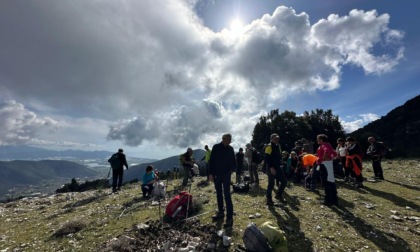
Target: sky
{"x":155,"y":76}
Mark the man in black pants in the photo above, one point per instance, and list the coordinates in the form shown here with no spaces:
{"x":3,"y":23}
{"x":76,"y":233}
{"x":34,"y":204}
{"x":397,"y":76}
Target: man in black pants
{"x":222,"y":164}
{"x":273,"y":159}
{"x":375,"y":151}
{"x":117,"y":161}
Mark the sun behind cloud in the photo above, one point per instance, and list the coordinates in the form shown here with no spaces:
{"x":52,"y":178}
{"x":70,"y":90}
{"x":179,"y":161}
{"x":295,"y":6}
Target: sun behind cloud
{"x":236,"y":25}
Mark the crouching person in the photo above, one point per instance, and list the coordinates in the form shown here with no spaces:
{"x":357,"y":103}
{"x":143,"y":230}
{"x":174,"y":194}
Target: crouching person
{"x":149,"y":178}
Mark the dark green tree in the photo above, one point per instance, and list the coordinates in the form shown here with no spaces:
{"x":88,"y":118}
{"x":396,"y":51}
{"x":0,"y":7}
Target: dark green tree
{"x":292,"y":128}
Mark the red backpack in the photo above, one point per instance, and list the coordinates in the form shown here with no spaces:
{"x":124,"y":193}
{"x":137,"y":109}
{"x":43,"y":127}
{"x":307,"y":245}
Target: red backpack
{"x":178,"y":207}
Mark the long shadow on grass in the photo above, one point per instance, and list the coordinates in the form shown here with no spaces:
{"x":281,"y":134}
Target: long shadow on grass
{"x":385,"y":241}
{"x":86,"y":201}
{"x":411,"y":187}
{"x":399,"y":201}
{"x":296,"y":239}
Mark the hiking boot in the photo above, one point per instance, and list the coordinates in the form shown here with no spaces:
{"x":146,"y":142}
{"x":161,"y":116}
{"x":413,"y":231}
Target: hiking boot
{"x":269,"y":202}
{"x":358,"y":185}
{"x":218,"y":216}
{"x":228,"y":223}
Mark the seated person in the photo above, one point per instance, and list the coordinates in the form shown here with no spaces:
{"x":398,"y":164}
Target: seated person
{"x":149,"y":178}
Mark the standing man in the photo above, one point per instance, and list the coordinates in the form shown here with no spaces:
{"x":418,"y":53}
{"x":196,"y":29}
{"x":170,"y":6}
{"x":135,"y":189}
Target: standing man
{"x":207,"y":158}
{"x":375,"y":151}
{"x":273,"y":159}
{"x":222,"y":164}
{"x":251,"y":155}
{"x":117,"y":161}
{"x":239,"y":165}
{"x":187,"y":162}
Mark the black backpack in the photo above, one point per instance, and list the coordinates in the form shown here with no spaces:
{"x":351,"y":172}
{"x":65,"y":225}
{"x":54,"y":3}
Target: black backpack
{"x":115,"y":161}
{"x":256,"y":157}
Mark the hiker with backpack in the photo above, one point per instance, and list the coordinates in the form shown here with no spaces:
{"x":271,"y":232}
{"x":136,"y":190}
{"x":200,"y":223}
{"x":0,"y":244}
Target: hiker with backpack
{"x":222,"y":164}
{"x":149,"y":179}
{"x":376,"y":151}
{"x":354,"y":160}
{"x":273,"y":159}
{"x":187,"y":162}
{"x":117,"y":161}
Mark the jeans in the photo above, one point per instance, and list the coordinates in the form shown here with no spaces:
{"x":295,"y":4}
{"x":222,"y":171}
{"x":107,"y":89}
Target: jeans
{"x":253,"y":173}
{"x":222,"y":186}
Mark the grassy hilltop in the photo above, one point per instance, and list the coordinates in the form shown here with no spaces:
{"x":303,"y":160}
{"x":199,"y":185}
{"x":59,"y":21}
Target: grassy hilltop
{"x":382,"y":216}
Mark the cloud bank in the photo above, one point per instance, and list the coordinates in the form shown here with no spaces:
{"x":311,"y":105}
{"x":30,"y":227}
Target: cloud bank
{"x":155,"y":73}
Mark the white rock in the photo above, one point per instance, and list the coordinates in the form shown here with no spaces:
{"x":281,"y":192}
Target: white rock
{"x":251,"y":216}
{"x":220,"y":233}
{"x":258,"y":215}
{"x":318,"y":228}
{"x":227,"y":240}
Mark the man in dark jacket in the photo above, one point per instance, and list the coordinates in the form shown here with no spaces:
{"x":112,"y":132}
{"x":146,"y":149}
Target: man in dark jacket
{"x":375,"y":152}
{"x":222,"y":164}
{"x":117,"y":173}
{"x":273,"y":160}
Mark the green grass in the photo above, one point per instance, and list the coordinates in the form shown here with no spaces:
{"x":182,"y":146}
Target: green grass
{"x":85,"y":221}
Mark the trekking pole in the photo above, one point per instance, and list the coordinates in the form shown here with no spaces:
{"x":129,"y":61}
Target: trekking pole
{"x":188,"y":203}
{"x":196,"y":216}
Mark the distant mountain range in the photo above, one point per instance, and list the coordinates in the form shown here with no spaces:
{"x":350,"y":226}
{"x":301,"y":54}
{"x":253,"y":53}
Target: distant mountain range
{"x":22,"y":173}
{"x":137,"y":171}
{"x":22,"y":152}
{"x":399,"y":129}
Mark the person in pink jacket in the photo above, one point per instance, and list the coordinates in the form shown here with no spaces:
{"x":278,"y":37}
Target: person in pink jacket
{"x":326,"y":155}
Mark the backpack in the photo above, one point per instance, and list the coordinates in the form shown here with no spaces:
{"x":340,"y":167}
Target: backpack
{"x":179,"y":205}
{"x":275,"y":236}
{"x":115,"y":161}
{"x":256,"y":157}
{"x":241,"y":188}
{"x":383,"y":148}
{"x":159,"y":191}
{"x":255,"y":240}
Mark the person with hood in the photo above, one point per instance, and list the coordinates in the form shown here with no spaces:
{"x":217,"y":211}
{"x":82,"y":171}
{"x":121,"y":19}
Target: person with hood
{"x":222,"y":164}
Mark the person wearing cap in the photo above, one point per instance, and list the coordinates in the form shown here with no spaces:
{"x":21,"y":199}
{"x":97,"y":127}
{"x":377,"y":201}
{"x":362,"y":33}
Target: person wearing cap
{"x":117,"y":174}
{"x":187,"y":161}
{"x":273,"y":159}
{"x":222,"y":164}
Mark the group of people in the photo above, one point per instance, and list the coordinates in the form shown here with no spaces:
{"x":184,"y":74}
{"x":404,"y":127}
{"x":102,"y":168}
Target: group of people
{"x":221,"y":161}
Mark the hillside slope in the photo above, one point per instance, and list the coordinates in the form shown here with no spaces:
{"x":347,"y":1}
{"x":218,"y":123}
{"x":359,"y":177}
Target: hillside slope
{"x":137,"y":171}
{"x":19,"y":172}
{"x":382,"y":216}
{"x":399,"y":129}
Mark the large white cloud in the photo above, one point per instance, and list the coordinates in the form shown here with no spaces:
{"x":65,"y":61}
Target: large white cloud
{"x":156,"y":74}
{"x":19,"y":125}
